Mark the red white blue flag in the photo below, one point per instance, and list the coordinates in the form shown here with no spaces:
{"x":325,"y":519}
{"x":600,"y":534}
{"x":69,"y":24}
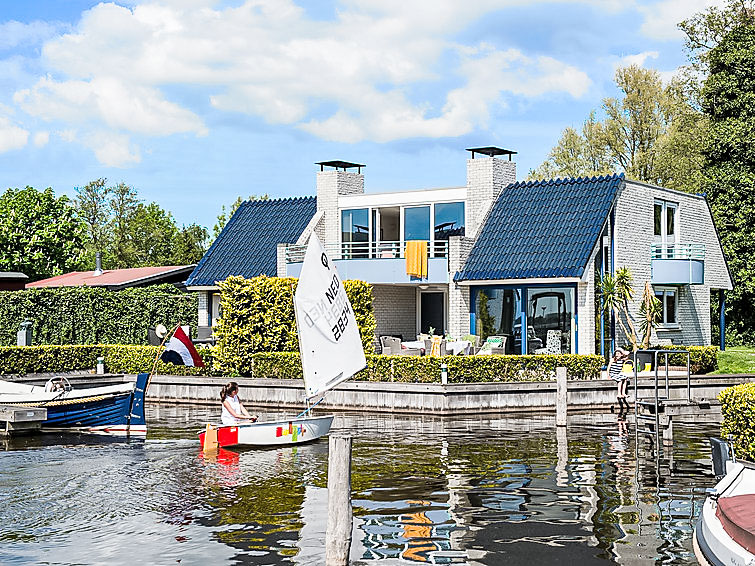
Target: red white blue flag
{"x":180,"y":351}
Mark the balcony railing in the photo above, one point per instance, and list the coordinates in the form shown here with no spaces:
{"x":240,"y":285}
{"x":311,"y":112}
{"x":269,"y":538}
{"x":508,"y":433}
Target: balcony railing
{"x":365,"y":250}
{"x":677,"y":251}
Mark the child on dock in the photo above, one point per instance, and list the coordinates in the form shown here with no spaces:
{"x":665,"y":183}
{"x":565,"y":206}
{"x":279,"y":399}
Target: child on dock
{"x":615,"y":371}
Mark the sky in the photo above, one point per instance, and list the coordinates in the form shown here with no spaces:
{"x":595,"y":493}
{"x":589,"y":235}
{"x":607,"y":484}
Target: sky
{"x":197,"y":102}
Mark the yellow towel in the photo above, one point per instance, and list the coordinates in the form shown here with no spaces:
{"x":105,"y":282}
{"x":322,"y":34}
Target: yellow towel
{"x":416,"y":258}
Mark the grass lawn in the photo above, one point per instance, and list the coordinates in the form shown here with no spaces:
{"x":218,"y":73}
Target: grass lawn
{"x":736,"y":359}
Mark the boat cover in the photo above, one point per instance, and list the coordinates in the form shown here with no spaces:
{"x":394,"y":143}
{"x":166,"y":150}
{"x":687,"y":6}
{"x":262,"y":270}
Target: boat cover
{"x":737,"y":515}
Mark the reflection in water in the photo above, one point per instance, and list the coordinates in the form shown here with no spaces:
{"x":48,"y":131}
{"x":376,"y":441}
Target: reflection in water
{"x":474,"y":491}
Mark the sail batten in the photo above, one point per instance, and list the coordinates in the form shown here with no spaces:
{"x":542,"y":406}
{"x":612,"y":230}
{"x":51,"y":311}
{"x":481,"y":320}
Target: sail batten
{"x":329,"y":341}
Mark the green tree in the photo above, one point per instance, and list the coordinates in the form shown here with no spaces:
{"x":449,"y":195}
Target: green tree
{"x":648,"y":133}
{"x":189,"y":244}
{"x":92,"y":206}
{"x":123,"y":205}
{"x":40,"y":235}
{"x":729,"y":152}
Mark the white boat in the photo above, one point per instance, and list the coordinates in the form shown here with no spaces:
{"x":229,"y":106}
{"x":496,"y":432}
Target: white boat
{"x":725,"y":532}
{"x":331,"y":352}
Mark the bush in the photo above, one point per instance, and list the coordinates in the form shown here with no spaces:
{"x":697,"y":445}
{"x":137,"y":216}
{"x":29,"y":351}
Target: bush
{"x":258,"y":316}
{"x":94,"y":315}
{"x":738,"y":412}
{"x":287,"y":365}
{"x":702,"y":359}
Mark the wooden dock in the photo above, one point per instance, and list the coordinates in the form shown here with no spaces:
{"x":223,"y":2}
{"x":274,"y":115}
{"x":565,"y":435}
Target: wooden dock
{"x":20,"y":420}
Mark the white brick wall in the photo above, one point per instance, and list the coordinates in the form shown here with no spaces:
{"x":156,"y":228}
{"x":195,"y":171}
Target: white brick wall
{"x":281,"y":260}
{"x":203,"y":317}
{"x":458,"y":295}
{"x":633,"y":237}
{"x":331,"y":184}
{"x":486,"y":177}
{"x":586,"y":308}
{"x":395,"y":310}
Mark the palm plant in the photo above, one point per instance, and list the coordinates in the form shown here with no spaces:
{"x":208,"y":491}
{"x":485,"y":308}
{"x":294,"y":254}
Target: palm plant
{"x":651,"y":312}
{"x":617,"y":292}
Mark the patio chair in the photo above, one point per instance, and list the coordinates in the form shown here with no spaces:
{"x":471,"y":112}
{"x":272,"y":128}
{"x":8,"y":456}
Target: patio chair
{"x":499,"y":350}
{"x":388,"y":344}
{"x":552,"y":344}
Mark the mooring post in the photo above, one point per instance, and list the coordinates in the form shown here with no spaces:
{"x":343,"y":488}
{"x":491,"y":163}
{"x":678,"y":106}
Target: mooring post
{"x":560,"y":396}
{"x":338,"y":532}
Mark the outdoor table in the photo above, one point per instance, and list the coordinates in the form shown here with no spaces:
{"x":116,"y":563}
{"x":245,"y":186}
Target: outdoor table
{"x":420,"y":344}
{"x":457,"y":347}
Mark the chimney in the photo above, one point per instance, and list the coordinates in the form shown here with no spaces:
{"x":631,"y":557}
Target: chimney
{"x":97,"y":264}
{"x":333,"y":182}
{"x":487,"y":175}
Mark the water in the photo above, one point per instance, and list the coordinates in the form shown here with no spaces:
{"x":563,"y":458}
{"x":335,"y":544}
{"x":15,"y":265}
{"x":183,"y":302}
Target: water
{"x":488,"y":490}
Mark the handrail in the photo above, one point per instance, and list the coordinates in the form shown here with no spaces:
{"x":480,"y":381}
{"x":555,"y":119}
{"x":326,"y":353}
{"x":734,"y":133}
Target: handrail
{"x":366,"y":250}
{"x":677,"y":250}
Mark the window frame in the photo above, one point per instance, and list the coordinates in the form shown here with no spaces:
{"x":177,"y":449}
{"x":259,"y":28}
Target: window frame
{"x":664,"y":324}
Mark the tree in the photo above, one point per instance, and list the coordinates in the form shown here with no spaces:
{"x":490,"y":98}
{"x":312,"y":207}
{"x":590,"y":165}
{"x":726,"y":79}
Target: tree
{"x":92,"y":206}
{"x":224,"y":216}
{"x":123,"y":205}
{"x":645,"y":133}
{"x":617,"y":293}
{"x":40,"y":235}
{"x":729,"y":153}
{"x":189,"y":244}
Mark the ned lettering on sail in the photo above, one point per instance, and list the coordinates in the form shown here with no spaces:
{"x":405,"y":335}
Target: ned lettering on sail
{"x":337,"y":309}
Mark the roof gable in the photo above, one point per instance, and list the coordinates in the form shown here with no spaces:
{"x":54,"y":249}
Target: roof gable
{"x":247,"y":245}
{"x":542,"y":229}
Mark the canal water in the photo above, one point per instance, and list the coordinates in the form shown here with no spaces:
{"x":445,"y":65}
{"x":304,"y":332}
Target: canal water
{"x":462,"y":490}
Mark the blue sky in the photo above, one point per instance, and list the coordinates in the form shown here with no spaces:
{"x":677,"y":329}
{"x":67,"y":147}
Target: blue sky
{"x":196,"y":102}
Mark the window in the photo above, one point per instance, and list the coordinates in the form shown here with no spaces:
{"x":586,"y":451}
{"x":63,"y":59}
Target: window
{"x":664,"y":227}
{"x":667,"y":297}
{"x":449,"y":220}
{"x":355,"y":232}
{"x":550,"y":316}
{"x":417,"y":223}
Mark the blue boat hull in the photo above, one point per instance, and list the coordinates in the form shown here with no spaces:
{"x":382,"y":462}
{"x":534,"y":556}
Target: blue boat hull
{"x":121,"y":413}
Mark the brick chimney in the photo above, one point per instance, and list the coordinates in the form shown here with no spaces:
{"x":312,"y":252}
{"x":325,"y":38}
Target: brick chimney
{"x":331,"y":184}
{"x":487,"y":175}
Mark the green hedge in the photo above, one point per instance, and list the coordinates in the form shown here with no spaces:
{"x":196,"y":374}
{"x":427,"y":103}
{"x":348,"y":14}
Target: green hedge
{"x":258,"y":316}
{"x":426,"y":369}
{"x":93,"y":315}
{"x":738,"y":412}
{"x":287,"y":365}
{"x":702,"y":359}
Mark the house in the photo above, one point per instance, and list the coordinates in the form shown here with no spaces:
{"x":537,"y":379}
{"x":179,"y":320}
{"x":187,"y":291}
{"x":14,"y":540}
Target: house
{"x":118,"y":279}
{"x":502,"y":255}
{"x":12,"y":280}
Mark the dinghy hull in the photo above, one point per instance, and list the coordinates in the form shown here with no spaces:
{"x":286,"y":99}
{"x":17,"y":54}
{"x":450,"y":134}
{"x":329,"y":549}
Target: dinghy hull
{"x":272,"y":433}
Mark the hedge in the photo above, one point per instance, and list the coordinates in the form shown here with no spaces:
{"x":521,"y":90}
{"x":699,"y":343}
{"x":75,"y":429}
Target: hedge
{"x":287,"y":365}
{"x":702,"y":359}
{"x":258,"y":316}
{"x":94,"y":315}
{"x":738,"y":412}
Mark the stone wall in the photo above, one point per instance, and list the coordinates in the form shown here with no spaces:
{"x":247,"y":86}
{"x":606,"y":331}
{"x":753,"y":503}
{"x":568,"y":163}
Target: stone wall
{"x":395,"y":310}
{"x":331,"y":184}
{"x":459,"y":303}
{"x":203,"y":313}
{"x":486,"y":178}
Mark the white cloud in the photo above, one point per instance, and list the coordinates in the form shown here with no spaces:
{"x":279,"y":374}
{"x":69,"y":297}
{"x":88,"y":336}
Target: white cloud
{"x":113,"y":150}
{"x":661,"y":18}
{"x":372,"y":66}
{"x":636,"y":59}
{"x":14,"y":33}
{"x":41,"y":139}
{"x":11,"y":136}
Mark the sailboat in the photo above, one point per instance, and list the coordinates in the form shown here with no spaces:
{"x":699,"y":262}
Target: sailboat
{"x":331,"y":352}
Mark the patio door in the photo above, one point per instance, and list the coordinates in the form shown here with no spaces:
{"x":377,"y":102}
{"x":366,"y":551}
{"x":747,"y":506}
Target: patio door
{"x":432,"y":312}
{"x":664,"y":227}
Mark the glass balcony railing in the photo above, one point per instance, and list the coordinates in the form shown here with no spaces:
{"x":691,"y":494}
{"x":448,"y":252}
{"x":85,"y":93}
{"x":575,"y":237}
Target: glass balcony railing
{"x":677,"y":263}
{"x":366,"y":250}
{"x":677,"y":251}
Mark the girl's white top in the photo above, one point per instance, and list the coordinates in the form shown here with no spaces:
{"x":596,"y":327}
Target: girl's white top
{"x":226,"y":417}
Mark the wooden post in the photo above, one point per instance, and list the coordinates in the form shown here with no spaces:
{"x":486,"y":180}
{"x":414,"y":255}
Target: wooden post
{"x":338,"y":533}
{"x":560,"y":396}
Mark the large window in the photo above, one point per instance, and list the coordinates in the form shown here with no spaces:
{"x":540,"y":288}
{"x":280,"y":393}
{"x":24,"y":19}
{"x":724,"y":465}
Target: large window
{"x":498,"y":313}
{"x":417,"y":223}
{"x":550,"y":311}
{"x":664,"y":226}
{"x":667,"y":296}
{"x":355,"y":232}
{"x":449,"y":220}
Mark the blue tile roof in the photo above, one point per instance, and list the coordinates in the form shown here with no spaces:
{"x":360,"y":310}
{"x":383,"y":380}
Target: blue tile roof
{"x":542,"y":229}
{"x":247,"y":245}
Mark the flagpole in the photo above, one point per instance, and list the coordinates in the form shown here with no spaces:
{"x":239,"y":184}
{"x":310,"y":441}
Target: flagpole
{"x":157,"y":356}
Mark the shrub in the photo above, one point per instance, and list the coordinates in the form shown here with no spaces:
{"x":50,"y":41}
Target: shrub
{"x":94,"y":315}
{"x":258,"y":316}
{"x":738,"y":412}
{"x":702,"y":359}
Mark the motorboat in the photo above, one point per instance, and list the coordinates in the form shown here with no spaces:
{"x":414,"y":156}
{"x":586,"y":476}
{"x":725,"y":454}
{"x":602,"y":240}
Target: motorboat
{"x":725,"y":531}
{"x":112,"y":409}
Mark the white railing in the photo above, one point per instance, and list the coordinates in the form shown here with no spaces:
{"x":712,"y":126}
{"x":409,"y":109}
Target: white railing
{"x":677,"y":251}
{"x":366,"y":250}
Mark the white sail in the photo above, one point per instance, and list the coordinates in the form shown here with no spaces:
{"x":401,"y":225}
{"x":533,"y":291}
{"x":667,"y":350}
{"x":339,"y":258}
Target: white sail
{"x":329,"y":340}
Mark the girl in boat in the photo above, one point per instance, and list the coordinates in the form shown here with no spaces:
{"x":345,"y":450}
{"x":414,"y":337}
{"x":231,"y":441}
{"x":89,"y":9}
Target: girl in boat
{"x":233,"y":411}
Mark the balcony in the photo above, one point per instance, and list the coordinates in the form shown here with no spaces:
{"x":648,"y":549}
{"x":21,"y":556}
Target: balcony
{"x":677,"y":264}
{"x":376,"y":263}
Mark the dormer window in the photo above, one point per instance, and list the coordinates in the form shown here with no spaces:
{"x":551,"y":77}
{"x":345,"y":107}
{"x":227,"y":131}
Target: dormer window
{"x":665,"y":226}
